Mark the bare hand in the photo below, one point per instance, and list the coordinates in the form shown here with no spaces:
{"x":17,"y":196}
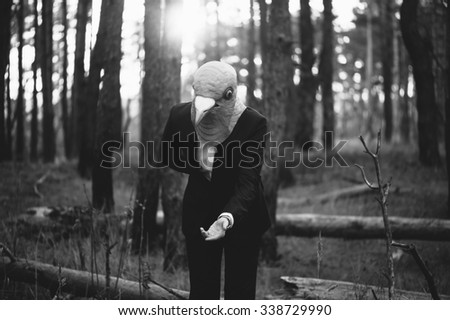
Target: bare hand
{"x":216,"y":231}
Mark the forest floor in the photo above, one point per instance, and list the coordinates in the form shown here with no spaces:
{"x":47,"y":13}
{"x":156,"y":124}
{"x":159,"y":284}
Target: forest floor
{"x":361,"y":261}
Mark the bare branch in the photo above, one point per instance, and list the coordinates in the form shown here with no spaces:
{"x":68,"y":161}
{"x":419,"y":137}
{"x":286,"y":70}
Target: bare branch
{"x":411,"y":249}
{"x":383,"y":190}
{"x":373,"y":155}
{"x":363,"y":173}
{"x":378,"y":143}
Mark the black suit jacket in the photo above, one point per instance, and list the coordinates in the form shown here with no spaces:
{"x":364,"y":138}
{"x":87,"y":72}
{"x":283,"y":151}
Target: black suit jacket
{"x":235,"y":184}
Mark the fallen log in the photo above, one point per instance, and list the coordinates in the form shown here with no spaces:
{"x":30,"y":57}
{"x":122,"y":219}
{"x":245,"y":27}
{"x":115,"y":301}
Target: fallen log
{"x":65,"y":221}
{"x":62,"y":221}
{"x":353,"y":191}
{"x":353,"y":227}
{"x":82,"y":283}
{"x":318,"y":289}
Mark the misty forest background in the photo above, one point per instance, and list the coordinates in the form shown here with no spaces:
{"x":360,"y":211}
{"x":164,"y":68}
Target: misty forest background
{"x":78,"y":73}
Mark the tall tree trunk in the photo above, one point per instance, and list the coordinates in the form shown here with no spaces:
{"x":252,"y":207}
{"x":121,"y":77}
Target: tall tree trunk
{"x":326,"y":72}
{"x":433,"y":16}
{"x":20,"y":105}
{"x":109,"y":106}
{"x":369,"y":69}
{"x":263,"y":29}
{"x":173,"y":183}
{"x":308,"y":83}
{"x":48,"y":130}
{"x":387,"y":54}
{"x":447,"y":107}
{"x":219,"y":48}
{"x":82,"y":115}
{"x":5,"y":38}
{"x":9,"y":118}
{"x":64,"y":101}
{"x":251,"y":78}
{"x":419,"y":47}
{"x":278,"y":79}
{"x":34,"y":111}
{"x":263,"y":38}
{"x":403,"y":97}
{"x":147,"y":191}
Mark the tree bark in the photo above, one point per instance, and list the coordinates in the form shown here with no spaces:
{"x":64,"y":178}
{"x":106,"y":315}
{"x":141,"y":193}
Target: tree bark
{"x":447,"y":108}
{"x":277,"y":81}
{"x":9,"y":118}
{"x":79,"y":283}
{"x":147,"y":190}
{"x":5,"y":38}
{"x":263,"y":38}
{"x":326,"y":72}
{"x":81,"y":115}
{"x":387,"y":61}
{"x":109,"y":105}
{"x":34,"y":112}
{"x":318,"y":289}
{"x":432,"y":16}
{"x":369,"y":69}
{"x":48,"y":130}
{"x":308,"y":82}
{"x":63,"y":98}
{"x":173,"y":183}
{"x":356,"y":227}
{"x":419,"y":46}
{"x":251,"y":68}
{"x":20,"y":104}
{"x":404,"y":98}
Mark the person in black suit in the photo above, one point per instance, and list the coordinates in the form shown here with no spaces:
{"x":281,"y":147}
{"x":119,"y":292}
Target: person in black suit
{"x":219,"y":142}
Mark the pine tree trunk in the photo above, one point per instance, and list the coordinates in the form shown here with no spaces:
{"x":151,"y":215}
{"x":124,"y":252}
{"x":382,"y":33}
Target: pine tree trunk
{"x":20,"y":105}
{"x":387,"y":57}
{"x":326,"y":72}
{"x":82,"y":116}
{"x":251,"y":67}
{"x":48,"y":130}
{"x":308,"y":83}
{"x":447,"y":107}
{"x":109,"y":106}
{"x":263,"y":29}
{"x":433,"y":17}
{"x":9,"y":118}
{"x":219,"y":48}
{"x":5,"y":38}
{"x":64,"y":101}
{"x":173,"y":183}
{"x":278,"y":79}
{"x":34,"y":111}
{"x":147,"y":191}
{"x":419,"y":47}
{"x":369,"y":69}
{"x":404,"y":99}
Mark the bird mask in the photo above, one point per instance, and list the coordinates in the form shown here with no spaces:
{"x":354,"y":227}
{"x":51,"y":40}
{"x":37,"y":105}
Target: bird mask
{"x":215,"y":108}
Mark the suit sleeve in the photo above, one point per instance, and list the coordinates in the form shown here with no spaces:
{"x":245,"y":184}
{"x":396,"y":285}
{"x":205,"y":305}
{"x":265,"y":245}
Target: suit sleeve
{"x":171,"y":147}
{"x":247,"y":186}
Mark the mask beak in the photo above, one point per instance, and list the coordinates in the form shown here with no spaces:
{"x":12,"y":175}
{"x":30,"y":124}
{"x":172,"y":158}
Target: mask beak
{"x":202,"y":106}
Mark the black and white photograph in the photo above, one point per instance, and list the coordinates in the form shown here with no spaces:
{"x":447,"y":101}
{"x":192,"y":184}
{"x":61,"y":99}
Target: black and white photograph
{"x":272,"y":150}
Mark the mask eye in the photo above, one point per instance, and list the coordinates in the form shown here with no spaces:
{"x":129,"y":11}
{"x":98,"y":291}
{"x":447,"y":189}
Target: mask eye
{"x":228,"y":94}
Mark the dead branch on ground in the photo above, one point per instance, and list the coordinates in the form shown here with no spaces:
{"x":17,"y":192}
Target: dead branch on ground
{"x":412,"y":250}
